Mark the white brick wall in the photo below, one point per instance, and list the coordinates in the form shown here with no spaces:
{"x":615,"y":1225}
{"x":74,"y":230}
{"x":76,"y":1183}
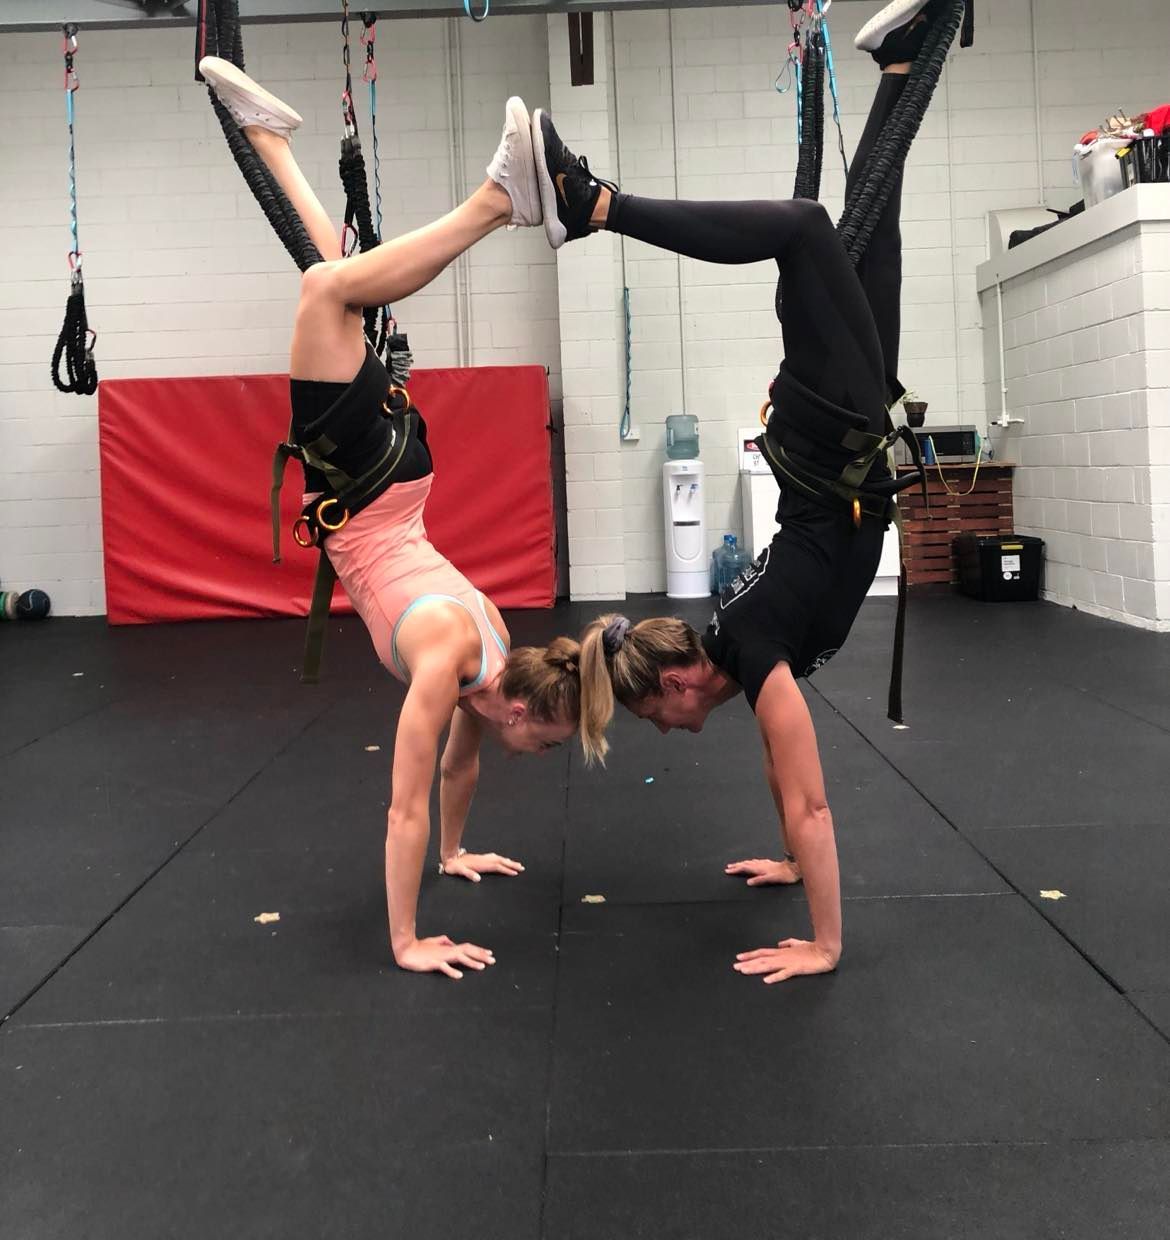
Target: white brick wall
{"x":592,"y":341}
{"x":1088,"y":377}
{"x":183,"y":274}
{"x":167,"y":222}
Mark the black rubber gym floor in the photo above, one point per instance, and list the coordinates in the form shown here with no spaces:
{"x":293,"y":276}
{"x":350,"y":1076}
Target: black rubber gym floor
{"x":986,"y":1063}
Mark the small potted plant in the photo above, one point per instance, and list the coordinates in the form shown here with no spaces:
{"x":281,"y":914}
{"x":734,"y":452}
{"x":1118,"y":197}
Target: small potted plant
{"x":915,"y":409}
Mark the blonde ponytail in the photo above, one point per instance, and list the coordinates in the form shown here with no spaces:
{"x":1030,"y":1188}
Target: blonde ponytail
{"x":633,"y":657}
{"x":596,"y":693}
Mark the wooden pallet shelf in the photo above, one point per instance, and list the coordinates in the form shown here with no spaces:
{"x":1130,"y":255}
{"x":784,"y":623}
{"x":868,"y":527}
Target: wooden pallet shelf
{"x":983,"y":506}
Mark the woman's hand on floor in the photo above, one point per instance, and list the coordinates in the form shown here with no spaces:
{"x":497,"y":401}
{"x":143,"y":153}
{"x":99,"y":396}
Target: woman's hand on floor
{"x":789,"y":958}
{"x":762,"y":873}
{"x":473,"y":866}
{"x":441,"y":955}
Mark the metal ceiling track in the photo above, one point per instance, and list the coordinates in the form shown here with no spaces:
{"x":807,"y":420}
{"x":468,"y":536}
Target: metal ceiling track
{"x":33,"y":15}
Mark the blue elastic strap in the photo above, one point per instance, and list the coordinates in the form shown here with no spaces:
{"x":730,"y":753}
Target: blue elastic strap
{"x":624,"y":429}
{"x":832,"y":81}
{"x":799,"y":100}
{"x":72,"y":173}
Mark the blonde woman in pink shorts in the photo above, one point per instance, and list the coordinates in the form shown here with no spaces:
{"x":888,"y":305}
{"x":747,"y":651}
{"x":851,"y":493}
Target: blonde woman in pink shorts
{"x":430,"y":626}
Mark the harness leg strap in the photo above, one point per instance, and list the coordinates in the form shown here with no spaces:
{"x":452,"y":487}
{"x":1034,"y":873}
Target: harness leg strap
{"x":279,"y":461}
{"x":318,"y":619}
{"x":894,"y":704}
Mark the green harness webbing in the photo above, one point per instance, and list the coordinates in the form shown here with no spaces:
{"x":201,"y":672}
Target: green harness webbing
{"x":323,"y":585}
{"x":345,"y":495}
{"x":848,"y":487}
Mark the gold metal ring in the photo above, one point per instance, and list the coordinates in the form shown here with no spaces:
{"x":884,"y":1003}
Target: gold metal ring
{"x":857,"y":512}
{"x":322,"y":507}
{"x":764,"y":412}
{"x":304,"y":540}
{"x":395,"y":391}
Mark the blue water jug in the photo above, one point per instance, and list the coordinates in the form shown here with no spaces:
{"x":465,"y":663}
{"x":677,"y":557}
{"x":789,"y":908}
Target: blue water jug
{"x":682,"y":437}
{"x":737,"y":561}
{"x":718,"y":558}
{"x":729,"y":563}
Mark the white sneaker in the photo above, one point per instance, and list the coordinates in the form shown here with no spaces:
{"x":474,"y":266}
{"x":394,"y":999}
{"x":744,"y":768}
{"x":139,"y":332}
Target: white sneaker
{"x":248,"y":103}
{"x":513,"y":166}
{"x":873,"y":34}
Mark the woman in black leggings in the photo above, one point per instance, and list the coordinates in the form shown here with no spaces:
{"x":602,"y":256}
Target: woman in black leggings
{"x":791,"y":611}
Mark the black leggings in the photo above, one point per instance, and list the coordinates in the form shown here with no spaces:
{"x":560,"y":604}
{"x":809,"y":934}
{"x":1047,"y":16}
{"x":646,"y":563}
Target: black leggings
{"x":840,"y":325}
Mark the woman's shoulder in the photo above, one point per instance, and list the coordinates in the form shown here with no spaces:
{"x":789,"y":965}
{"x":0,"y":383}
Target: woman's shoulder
{"x":496,"y":620}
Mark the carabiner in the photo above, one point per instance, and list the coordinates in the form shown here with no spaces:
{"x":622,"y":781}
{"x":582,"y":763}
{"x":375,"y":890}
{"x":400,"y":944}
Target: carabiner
{"x":367,"y":37}
{"x":348,"y":116}
{"x":487,"y":8}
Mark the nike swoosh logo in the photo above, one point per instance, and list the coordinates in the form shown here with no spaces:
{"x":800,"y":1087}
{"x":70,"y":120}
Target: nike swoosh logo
{"x":560,"y":183}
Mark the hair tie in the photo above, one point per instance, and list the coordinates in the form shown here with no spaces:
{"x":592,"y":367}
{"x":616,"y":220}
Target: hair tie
{"x":614,"y":635}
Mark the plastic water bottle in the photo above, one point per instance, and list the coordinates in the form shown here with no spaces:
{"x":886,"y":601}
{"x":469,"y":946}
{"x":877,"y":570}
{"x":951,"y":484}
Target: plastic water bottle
{"x":718,"y":563}
{"x":737,"y":560}
{"x":724,"y":564}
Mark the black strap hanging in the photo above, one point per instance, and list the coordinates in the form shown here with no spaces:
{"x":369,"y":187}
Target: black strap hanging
{"x":812,"y":113}
{"x":76,"y":341}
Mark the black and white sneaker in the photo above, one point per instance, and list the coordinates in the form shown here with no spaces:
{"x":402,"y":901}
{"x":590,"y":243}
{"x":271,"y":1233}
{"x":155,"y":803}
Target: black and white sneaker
{"x":568,"y":190}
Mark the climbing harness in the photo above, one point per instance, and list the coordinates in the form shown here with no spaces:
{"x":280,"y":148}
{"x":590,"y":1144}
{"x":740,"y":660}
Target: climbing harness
{"x":806,"y":439}
{"x":357,"y":458}
{"x":76,"y":340}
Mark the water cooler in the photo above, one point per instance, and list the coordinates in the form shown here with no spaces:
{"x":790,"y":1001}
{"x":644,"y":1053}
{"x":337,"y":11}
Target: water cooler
{"x":684,"y":504}
{"x":760,"y":493}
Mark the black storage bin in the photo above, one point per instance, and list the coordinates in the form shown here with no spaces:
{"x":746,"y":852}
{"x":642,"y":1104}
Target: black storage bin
{"x":1002,"y":569}
{"x":1146,"y":161}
